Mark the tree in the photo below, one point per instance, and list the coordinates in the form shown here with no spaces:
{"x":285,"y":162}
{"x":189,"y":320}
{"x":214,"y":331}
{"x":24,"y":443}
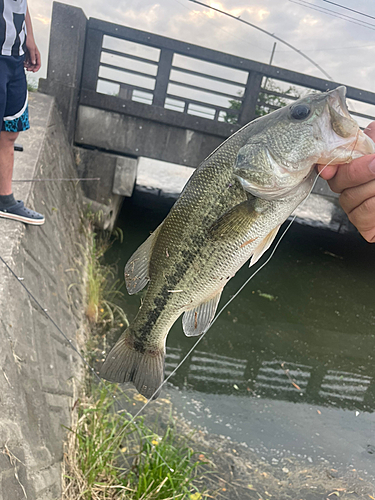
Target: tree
{"x":265,"y":101}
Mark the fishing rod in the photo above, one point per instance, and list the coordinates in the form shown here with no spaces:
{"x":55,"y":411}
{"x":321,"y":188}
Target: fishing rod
{"x":267,"y":33}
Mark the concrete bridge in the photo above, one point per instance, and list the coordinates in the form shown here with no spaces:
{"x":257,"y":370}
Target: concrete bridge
{"x":128,"y":96}
{"x":39,"y":369}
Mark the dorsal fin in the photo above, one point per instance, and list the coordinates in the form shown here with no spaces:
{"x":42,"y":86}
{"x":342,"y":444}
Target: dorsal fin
{"x":263,"y":246}
{"x":196,"y":320}
{"x":136,"y":269}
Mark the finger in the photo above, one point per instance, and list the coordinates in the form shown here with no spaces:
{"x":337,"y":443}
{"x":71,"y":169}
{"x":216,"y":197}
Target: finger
{"x":327,"y":171}
{"x":353,"y":174}
{"x":38,"y":62}
{"x":353,"y":197}
{"x":363,"y":217}
{"x":370,"y":130}
{"x":369,"y":235}
{"x":32,"y":57}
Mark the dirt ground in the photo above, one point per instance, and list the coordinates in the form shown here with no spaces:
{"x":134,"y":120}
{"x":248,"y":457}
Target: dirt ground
{"x":236,"y":473}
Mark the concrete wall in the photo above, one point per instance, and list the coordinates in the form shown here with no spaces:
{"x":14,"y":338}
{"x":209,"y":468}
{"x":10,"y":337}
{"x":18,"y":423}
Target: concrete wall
{"x":116,"y":176}
{"x":138,"y":136}
{"x":65,"y":61}
{"x":37,"y":366}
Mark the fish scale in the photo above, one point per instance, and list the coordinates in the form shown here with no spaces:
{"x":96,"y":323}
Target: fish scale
{"x":229,"y":211}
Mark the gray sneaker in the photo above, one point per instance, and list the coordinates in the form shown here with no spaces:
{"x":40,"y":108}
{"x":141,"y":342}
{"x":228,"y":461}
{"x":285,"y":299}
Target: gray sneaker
{"x":21,"y":213}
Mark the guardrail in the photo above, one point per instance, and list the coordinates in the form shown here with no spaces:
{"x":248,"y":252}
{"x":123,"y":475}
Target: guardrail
{"x":159,"y":71}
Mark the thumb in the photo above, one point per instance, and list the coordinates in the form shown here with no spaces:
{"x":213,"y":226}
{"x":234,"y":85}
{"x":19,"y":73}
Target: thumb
{"x":327,"y":171}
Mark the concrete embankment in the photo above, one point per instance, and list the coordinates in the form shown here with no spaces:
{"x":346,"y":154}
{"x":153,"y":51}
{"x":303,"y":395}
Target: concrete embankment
{"x":37,"y":366}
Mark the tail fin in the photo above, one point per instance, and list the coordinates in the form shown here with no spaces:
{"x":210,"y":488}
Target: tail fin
{"x":125,"y":363}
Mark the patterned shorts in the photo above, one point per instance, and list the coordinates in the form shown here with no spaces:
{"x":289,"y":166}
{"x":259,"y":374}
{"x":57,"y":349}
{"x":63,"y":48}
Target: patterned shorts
{"x":14,"y":114}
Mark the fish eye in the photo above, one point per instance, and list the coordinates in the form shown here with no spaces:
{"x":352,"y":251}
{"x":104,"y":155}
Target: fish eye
{"x":300,"y":112}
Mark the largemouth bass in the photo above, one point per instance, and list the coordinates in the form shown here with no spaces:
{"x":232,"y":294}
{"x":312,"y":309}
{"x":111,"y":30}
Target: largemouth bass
{"x":229,"y":212}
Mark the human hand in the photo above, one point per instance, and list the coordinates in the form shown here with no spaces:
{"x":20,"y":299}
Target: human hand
{"x":32,"y":58}
{"x":355,"y":182}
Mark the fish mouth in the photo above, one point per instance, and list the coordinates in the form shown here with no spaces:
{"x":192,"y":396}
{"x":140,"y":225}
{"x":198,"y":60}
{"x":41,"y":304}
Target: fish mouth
{"x":345,"y":140}
{"x":337,"y":102}
{"x":341,"y":121}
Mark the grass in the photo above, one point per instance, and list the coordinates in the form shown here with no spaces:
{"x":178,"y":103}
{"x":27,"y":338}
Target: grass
{"x":102,"y":291}
{"x":32,"y":84}
{"x":108,"y":457}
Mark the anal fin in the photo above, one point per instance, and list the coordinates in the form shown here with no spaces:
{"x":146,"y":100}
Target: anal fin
{"x":197,"y":320}
{"x":263,"y":246}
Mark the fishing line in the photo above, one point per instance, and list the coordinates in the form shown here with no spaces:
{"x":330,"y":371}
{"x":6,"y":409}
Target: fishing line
{"x":236,"y":294}
{"x":101,"y":382}
{"x":59,"y":180}
{"x":132,"y":419}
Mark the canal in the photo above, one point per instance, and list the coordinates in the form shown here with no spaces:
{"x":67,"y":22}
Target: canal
{"x":288,"y":368}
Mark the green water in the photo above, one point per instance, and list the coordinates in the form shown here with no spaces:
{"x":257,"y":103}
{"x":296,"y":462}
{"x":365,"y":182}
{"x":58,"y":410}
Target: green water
{"x":289,"y":365}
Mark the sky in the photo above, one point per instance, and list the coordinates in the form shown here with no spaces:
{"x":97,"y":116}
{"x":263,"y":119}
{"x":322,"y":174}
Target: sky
{"x":344,"y":48}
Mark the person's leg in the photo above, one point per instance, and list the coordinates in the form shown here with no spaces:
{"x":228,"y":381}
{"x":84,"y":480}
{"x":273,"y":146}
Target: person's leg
{"x":5,"y":171}
{"x":7,"y":140}
{"x":9,"y":207}
{"x":14,"y":119}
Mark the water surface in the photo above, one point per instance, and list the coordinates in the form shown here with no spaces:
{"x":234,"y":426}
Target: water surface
{"x":288,"y":368}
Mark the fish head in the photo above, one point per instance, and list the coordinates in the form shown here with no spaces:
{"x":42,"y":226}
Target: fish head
{"x":284,"y":146}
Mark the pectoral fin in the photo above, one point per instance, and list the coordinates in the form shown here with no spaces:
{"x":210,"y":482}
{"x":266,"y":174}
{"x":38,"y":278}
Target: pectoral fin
{"x":263,"y":246}
{"x":137,"y":267}
{"x":238,"y":221}
{"x":235,"y":220}
{"x":197,"y":320}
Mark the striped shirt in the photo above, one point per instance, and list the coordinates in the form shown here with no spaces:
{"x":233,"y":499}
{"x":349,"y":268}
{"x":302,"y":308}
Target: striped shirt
{"x":12,"y":27}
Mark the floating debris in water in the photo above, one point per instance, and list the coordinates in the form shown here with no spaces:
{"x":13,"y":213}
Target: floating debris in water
{"x":333,"y":255}
{"x":267,"y":296}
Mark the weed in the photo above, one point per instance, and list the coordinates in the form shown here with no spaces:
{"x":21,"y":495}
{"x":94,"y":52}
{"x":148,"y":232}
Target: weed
{"x":32,"y":84}
{"x":108,"y":457}
{"x":101,"y":289}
